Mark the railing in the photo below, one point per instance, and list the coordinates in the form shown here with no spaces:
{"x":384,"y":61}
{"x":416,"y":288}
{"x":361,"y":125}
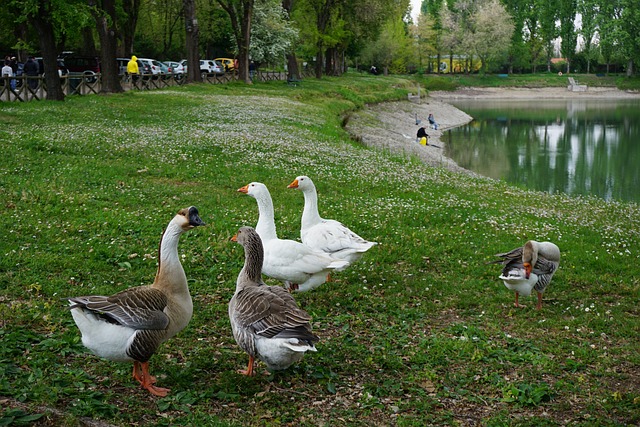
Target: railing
{"x":30,"y":88}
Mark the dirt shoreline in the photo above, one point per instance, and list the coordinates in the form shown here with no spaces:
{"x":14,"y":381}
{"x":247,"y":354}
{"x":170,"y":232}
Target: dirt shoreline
{"x":392,"y":125}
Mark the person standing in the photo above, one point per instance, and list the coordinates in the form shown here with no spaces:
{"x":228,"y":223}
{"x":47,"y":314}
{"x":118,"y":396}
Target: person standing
{"x":132,"y":69}
{"x":7,"y":71}
{"x":432,"y":121}
{"x":31,"y":69}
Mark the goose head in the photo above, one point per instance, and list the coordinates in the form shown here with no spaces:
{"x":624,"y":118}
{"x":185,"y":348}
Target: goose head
{"x":301,"y":183}
{"x":529,"y":257}
{"x":257,"y":190}
{"x":247,"y":236}
{"x":188,"y":218}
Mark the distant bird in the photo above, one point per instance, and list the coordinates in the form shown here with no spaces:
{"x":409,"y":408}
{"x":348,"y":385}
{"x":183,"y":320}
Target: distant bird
{"x":418,"y":121}
{"x":529,"y":267}
{"x":326,"y":235}
{"x":130,"y":325}
{"x":266,"y":320}
{"x":297,"y":265}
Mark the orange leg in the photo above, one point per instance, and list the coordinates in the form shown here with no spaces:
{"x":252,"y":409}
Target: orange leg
{"x":250,"y":368}
{"x":146,"y":380}
{"x":539,"y":306}
{"x":516,"y":303}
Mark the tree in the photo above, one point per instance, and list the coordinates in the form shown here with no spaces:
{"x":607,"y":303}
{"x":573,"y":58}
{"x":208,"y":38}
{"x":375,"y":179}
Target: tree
{"x":241,"y":15}
{"x":192,"y":41}
{"x":104,"y":12}
{"x":272,"y":35}
{"x":492,"y":28}
{"x":588,"y":10}
{"x":548,"y":31}
{"x":569,"y":37}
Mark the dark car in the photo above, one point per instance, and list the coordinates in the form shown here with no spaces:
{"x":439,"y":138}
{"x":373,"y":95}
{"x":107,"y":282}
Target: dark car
{"x":62,"y":69}
{"x":82,"y":64}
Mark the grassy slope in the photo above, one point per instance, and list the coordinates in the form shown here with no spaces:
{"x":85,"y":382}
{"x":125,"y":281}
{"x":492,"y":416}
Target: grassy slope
{"x":420,"y":331}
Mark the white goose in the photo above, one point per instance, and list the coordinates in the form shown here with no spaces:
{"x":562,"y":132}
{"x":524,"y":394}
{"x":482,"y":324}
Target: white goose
{"x":297,"y":265}
{"x":130,"y":325}
{"x":529,"y":267}
{"x":265,"y":320}
{"x":327,"y":235}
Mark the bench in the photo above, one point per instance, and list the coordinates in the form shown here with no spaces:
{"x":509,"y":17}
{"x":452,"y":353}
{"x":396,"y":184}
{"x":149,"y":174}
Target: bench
{"x":292,"y":81}
{"x":575,"y":87}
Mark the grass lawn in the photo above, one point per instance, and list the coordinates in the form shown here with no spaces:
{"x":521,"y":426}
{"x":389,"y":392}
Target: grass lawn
{"x":419,"y":332}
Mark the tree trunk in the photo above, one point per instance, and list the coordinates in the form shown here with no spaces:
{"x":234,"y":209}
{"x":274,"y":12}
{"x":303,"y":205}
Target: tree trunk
{"x":630,"y":68}
{"x":293,"y":72}
{"x":46,"y":36}
{"x":319,"y":61}
{"x":241,"y":14}
{"x":192,"y":42}
{"x":104,"y":14}
{"x":132,"y":9}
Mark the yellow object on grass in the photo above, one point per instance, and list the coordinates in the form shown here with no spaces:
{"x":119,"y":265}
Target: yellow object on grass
{"x":423,"y":141}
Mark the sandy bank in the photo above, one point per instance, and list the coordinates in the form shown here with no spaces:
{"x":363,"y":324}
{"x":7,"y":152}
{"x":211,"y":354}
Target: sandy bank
{"x":393,"y":125}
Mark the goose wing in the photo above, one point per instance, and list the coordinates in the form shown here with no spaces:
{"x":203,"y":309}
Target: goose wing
{"x":136,"y":308}
{"x":269,"y":311}
{"x":333,"y":237}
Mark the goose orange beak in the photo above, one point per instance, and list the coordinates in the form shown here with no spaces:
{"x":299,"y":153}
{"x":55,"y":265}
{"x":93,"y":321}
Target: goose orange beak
{"x":244,"y":189}
{"x":294,"y":184}
{"x":234,"y":238}
{"x":527,"y":269}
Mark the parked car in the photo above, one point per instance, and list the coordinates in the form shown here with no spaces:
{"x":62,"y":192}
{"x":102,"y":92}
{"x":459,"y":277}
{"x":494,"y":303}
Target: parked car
{"x":82,"y":64}
{"x":62,"y":69}
{"x":164,"y":70}
{"x":209,"y":66}
{"x":149,"y":67}
{"x":228,"y":64}
{"x":122,"y":65}
{"x":175,"y":68}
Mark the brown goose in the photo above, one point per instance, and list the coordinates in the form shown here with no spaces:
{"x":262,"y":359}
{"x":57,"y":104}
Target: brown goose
{"x":130,"y":325}
{"x":266,"y":320}
{"x":529,"y":267}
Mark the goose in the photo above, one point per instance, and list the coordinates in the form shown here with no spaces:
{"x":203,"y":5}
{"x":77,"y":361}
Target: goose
{"x":300,"y":267}
{"x":326,"y":235}
{"x":130,"y":325}
{"x":265,"y":320}
{"x":529,"y":267}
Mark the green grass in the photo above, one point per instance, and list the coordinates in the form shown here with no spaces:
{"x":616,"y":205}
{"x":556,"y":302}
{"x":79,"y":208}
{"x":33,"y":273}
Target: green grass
{"x":419,"y":332}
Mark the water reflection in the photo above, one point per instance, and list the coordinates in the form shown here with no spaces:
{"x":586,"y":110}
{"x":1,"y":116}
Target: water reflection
{"x":576,"y":146}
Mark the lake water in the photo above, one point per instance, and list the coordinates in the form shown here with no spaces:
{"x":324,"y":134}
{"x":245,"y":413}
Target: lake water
{"x":589,"y":147}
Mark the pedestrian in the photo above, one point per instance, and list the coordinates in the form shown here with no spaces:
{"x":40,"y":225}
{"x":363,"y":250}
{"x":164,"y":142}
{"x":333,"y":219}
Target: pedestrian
{"x":252,"y":70}
{"x":31,"y":69}
{"x":132,"y":68}
{"x":423,"y":138}
{"x":7,"y":71}
{"x":432,"y":121}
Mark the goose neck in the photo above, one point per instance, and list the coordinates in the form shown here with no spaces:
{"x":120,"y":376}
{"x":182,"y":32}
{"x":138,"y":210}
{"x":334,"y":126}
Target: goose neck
{"x":266,"y":226}
{"x":170,"y":276}
{"x":310,"y":213}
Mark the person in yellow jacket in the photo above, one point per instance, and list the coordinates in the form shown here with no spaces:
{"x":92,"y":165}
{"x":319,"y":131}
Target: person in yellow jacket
{"x":132,"y":68}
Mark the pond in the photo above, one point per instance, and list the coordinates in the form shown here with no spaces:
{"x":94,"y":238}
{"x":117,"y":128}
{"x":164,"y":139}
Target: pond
{"x":587,"y":147}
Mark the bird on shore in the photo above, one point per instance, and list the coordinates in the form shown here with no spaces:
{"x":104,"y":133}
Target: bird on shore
{"x":300,"y":267}
{"x":326,"y":235}
{"x":529,"y":267}
{"x":265,"y":320}
{"x":130,"y":325}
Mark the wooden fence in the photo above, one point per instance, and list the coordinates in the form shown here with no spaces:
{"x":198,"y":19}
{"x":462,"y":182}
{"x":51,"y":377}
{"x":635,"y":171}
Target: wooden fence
{"x":28,"y":88}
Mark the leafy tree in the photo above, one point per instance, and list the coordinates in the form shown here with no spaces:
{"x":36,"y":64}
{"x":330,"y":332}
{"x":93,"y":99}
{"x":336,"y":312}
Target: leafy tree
{"x":588,"y":10}
{"x":548,"y":31}
{"x":272,"y":35}
{"x":568,"y":35}
{"x":491,"y":31}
